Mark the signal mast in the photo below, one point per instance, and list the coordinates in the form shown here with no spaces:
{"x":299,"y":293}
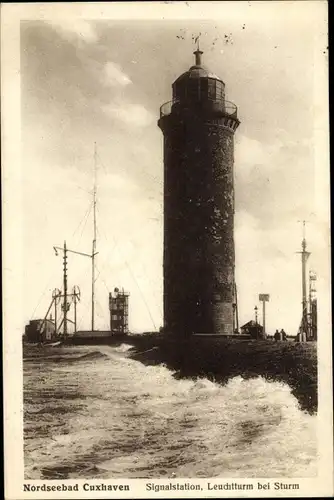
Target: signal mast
{"x":65,"y":250}
{"x":308,"y":325}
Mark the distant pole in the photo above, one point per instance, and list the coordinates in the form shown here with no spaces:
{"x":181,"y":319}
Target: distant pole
{"x":65,"y":290}
{"x":75,"y":314}
{"x":236,"y":307}
{"x":56,"y":316}
{"x":94,"y":240}
{"x":264,"y":297}
{"x":56,"y":295}
{"x":310,"y":277}
{"x":312,"y":306}
{"x":76,"y":298}
{"x":256,"y":309}
{"x":304,"y":257}
{"x":66,"y":305}
{"x":110,"y":310}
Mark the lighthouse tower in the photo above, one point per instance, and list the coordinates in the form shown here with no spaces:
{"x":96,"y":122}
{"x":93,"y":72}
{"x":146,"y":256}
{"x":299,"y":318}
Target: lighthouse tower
{"x":198,"y":127}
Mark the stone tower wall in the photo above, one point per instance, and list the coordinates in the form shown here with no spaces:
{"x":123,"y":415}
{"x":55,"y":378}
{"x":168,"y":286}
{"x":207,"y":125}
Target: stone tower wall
{"x":198,"y":223}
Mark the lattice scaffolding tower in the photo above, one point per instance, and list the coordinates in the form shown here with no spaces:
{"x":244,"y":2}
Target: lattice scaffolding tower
{"x":119,"y":312}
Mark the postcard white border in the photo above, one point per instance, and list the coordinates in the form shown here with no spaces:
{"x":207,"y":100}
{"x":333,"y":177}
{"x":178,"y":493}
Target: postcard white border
{"x":13,"y":270}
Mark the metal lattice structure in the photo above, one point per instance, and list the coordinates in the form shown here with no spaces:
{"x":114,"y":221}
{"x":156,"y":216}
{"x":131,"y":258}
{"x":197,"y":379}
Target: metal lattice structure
{"x":308,"y":329}
{"x":313,"y":307}
{"x":119,"y":312}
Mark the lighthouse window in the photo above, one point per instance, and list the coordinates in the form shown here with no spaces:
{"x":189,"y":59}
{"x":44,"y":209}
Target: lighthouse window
{"x":179,"y":90}
{"x":219,"y":90}
{"x":211,"y":89}
{"x":204,"y":88}
{"x":193,"y":88}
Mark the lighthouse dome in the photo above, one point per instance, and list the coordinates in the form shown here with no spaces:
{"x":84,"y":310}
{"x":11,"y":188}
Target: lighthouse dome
{"x":198,"y":83}
{"x":198,"y":71}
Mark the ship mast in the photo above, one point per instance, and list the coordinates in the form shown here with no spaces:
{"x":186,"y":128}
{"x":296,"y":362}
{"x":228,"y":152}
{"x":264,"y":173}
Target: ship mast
{"x":94,"y":238}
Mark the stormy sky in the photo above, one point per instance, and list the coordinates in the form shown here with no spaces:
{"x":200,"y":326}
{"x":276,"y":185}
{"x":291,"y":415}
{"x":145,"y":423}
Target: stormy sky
{"x":86,"y":80}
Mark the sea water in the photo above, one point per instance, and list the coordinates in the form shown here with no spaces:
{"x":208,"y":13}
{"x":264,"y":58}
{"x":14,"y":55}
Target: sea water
{"x":92,"y":412}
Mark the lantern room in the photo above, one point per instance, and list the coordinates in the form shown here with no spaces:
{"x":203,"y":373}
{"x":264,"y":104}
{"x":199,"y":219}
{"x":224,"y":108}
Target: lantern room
{"x":198,"y":84}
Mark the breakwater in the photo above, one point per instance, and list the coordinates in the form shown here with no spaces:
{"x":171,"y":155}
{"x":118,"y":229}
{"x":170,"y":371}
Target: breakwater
{"x":220,"y":359}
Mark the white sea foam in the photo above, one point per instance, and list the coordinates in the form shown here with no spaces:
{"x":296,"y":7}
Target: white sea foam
{"x":123,"y":348}
{"x":114,"y":417}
